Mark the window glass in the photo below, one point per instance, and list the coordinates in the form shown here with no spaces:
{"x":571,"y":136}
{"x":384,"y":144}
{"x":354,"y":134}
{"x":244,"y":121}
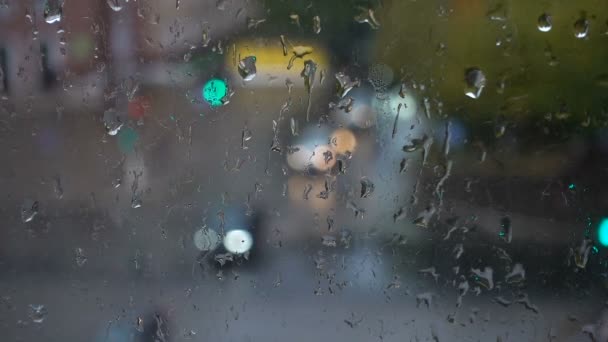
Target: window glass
{"x":271,"y":170}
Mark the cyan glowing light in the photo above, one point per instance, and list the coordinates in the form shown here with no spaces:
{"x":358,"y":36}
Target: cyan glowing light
{"x":572,"y":186}
{"x":214,"y":91}
{"x":127,"y":137}
{"x":602,"y":232}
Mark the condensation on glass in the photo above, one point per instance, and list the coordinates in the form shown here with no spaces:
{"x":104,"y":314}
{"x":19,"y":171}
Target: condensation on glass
{"x":248,"y":170}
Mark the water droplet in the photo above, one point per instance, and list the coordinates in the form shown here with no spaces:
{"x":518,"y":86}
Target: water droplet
{"x":545,"y":23}
{"x":345,"y":84}
{"x":346,"y":236}
{"x":293,"y":125}
{"x":475,"y":82}
{"x":223,"y":258}
{"x":298,"y":51}
{"x":367,"y":15}
{"x":451,"y":317}
{"x":206,"y":239}
{"x":435,"y":333}
{"x":463,"y":289}
{"x":506,"y":232}
{"x":316,"y":24}
{"x":52,"y":11}
{"x":367,"y":187}
{"x":502,"y":301}
{"x":425,"y":298}
{"x":3,"y":80}
{"x":246,"y":135}
{"x":517,"y":274}
{"x":551,"y":58}
{"x":523,"y":299}
{"x":552,"y":334}
{"x":289,"y":85}
{"x":581,"y":254}
{"x":498,"y":13}
{"x":359,"y":212}
{"x":500,"y":127}
{"x":112,"y":121}
{"x":295,"y":19}
{"x":598,"y":331}
{"x":457,"y":251}
{"x":308,"y":73}
{"x":283,"y":45}
{"x":253,"y":23}
{"x":38,"y":313}
{"x":115,"y":5}
{"x":581,"y":28}
{"x":430,"y":271}
{"x":485,"y":277}
{"x":345,"y":103}
{"x":247,"y":68}
{"x":439,"y":189}
{"x":136,"y":202}
{"x":307,"y":190}
{"x":58,"y":188}
{"x":403,"y":165}
{"x":415,"y":144}
{"x":440,"y":51}
{"x":161,"y":332}
{"x":424,"y":218}
{"x":80,"y":256}
{"x":29,"y":210}
{"x":380,"y":76}
{"x":328,"y":241}
{"x":139,"y":324}
{"x":205,"y":37}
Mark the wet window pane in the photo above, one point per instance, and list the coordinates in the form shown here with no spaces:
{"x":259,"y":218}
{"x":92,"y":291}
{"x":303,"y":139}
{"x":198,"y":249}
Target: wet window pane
{"x":269,"y":170}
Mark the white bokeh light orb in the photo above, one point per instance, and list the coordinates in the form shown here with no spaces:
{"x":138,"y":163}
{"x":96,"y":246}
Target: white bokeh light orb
{"x":300,"y":158}
{"x":238,"y":241}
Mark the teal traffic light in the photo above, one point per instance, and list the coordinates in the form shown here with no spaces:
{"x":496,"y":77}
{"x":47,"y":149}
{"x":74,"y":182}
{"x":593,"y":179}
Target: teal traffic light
{"x":602,"y":232}
{"x":214,"y":91}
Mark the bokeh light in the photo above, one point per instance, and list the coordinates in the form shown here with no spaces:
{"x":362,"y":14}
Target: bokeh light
{"x":602,"y":232}
{"x":206,"y":239}
{"x":343,"y":141}
{"x":323,"y":158}
{"x":127,"y":137}
{"x":214,"y":91}
{"x":299,"y":160}
{"x":137,"y":107}
{"x":362,"y":115}
{"x":238,"y":241}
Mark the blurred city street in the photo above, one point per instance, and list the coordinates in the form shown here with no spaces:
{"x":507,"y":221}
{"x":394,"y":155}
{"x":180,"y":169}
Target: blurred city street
{"x":248,"y":170}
